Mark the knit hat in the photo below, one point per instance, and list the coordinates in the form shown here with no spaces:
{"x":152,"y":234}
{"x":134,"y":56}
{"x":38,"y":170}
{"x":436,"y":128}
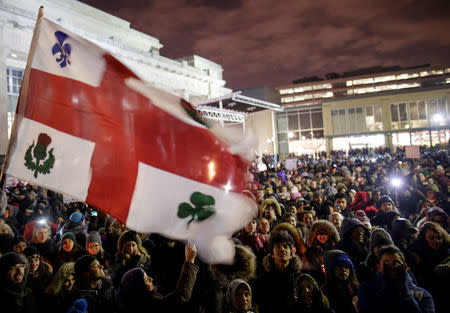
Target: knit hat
{"x":380,"y":237}
{"x":432,"y":212}
{"x":8,"y":260}
{"x":94,"y":236}
{"x":31,"y":251}
{"x":129,"y":235}
{"x":341,"y":258}
{"x":233,"y":287}
{"x":76,"y":217}
{"x":384,"y":199}
{"x":132,"y":284}
{"x":83,"y":263}
{"x":79,"y":306}
{"x":69,"y":235}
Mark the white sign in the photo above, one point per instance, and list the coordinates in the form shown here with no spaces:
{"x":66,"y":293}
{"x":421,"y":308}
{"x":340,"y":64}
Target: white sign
{"x":412,"y":152}
{"x":290,"y":164}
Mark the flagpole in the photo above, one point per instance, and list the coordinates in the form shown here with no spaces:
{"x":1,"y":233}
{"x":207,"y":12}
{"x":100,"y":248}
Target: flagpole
{"x":22,"y":88}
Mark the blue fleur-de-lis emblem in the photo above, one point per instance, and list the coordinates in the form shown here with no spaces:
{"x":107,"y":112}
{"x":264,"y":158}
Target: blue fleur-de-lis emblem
{"x":62,"y":48}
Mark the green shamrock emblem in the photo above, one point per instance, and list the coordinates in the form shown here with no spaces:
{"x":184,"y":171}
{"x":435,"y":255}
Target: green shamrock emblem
{"x":40,"y":153}
{"x":203,"y":207}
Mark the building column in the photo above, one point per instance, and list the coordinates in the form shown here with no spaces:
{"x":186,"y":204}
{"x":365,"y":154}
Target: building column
{"x":3,"y":96}
{"x":329,"y":145}
{"x":388,"y":141}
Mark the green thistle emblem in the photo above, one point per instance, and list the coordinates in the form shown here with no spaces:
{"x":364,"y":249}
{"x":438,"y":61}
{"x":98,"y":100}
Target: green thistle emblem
{"x":203,"y":208}
{"x":40,"y":154}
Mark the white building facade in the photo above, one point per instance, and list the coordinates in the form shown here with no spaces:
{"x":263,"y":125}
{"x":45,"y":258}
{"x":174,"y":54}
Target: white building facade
{"x":192,"y":77}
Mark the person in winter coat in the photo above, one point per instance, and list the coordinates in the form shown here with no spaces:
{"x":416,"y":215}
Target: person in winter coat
{"x":322,"y":236}
{"x":92,"y":285}
{"x":354,"y":240}
{"x":137,"y":292}
{"x":384,"y":205}
{"x":366,"y":270}
{"x":76,"y":225}
{"x":215,"y":285}
{"x":403,"y":233}
{"x":392,"y":290}
{"x":42,"y":241}
{"x":251,"y":238}
{"x":18,"y":244}
{"x":280,"y":269}
{"x":430,"y":249}
{"x":69,"y":250}
{"x":15,"y":297}
{"x":39,"y":273}
{"x":341,"y":285}
{"x":271,"y":210}
{"x":60,"y":286}
{"x":310,"y":298}
{"x":130,"y":254}
{"x":239,"y":297}
{"x":94,"y":246}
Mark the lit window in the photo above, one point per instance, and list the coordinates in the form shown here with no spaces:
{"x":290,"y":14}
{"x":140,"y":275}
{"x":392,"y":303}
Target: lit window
{"x":285,"y":91}
{"x":385,"y":87}
{"x":447,"y":70}
{"x":411,"y":85}
{"x":363,"y":81}
{"x":364,"y":90}
{"x":349,"y":83}
{"x":407,"y":76}
{"x":322,"y":86}
{"x":287,"y":99}
{"x":384,"y":78}
{"x":447,"y":81}
{"x":423,"y":74}
{"x":323,"y":95}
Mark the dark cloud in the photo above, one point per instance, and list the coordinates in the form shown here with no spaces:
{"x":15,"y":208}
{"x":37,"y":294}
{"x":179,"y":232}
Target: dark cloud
{"x":268,"y":42}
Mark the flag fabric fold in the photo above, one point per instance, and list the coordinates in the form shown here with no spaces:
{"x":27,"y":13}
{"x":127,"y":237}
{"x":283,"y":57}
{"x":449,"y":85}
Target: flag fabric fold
{"x":87,"y":127}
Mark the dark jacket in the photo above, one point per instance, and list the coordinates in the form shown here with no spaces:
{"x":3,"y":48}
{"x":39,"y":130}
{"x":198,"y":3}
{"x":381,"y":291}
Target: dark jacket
{"x":141,"y":300}
{"x":100,"y":300}
{"x":380,"y":296}
{"x":357,"y":252}
{"x":276,"y":291}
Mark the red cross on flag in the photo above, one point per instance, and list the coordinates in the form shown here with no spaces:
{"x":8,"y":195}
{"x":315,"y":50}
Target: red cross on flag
{"x":87,"y":127}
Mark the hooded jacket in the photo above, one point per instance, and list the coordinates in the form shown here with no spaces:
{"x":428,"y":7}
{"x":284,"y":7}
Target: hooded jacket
{"x":357,"y":253}
{"x":269,"y":201}
{"x":342,"y":296}
{"x":220,"y":276}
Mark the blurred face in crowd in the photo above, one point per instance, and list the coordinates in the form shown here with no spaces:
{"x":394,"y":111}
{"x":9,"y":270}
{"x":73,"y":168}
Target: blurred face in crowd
{"x":263,"y":225}
{"x":16,"y":273}
{"x":243,"y":299}
{"x":260,"y":193}
{"x":292,"y":209}
{"x":341,"y":271}
{"x":308,"y":219}
{"x":291,"y":220}
{"x":281,"y":253}
{"x":421,"y":177}
{"x":250,"y":227}
{"x":433,"y":239}
{"x":33,"y":263}
{"x":68,"y":282}
{"x":19,"y":247}
{"x":131,"y":248}
{"x":306,"y":291}
{"x":358,"y":234}
{"x":389,"y":261}
{"x":336,"y":221}
{"x":95,"y":271}
{"x":93,"y":247}
{"x":322,"y":236}
{"x":149,"y":283}
{"x":42,"y":234}
{"x":386,"y":207}
{"x":67,"y":244}
{"x":376,"y":196}
{"x":340,"y":203}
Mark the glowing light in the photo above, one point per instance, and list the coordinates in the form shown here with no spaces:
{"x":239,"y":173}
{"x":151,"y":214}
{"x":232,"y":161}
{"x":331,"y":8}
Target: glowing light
{"x":396,"y":182}
{"x":291,"y":135}
{"x":373,"y":160}
{"x":211,"y":170}
{"x":438,"y":118}
{"x":227,"y":187}
{"x":42,"y":221}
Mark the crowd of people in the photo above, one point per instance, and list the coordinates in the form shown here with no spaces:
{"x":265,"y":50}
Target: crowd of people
{"x":353,"y":232}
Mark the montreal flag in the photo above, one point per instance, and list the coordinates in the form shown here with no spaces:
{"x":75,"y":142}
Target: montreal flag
{"x":89,"y":128}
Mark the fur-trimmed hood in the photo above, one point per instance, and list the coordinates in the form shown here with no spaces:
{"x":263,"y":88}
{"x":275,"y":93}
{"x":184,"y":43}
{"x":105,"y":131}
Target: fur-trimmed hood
{"x":322,"y":225}
{"x":267,"y":202}
{"x":244,"y":267}
{"x":295,"y":264}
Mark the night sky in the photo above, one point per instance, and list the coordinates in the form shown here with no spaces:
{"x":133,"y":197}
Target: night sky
{"x":273,"y":42}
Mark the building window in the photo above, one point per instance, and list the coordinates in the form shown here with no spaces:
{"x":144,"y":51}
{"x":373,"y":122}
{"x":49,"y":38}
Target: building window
{"x":14,"y":78}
